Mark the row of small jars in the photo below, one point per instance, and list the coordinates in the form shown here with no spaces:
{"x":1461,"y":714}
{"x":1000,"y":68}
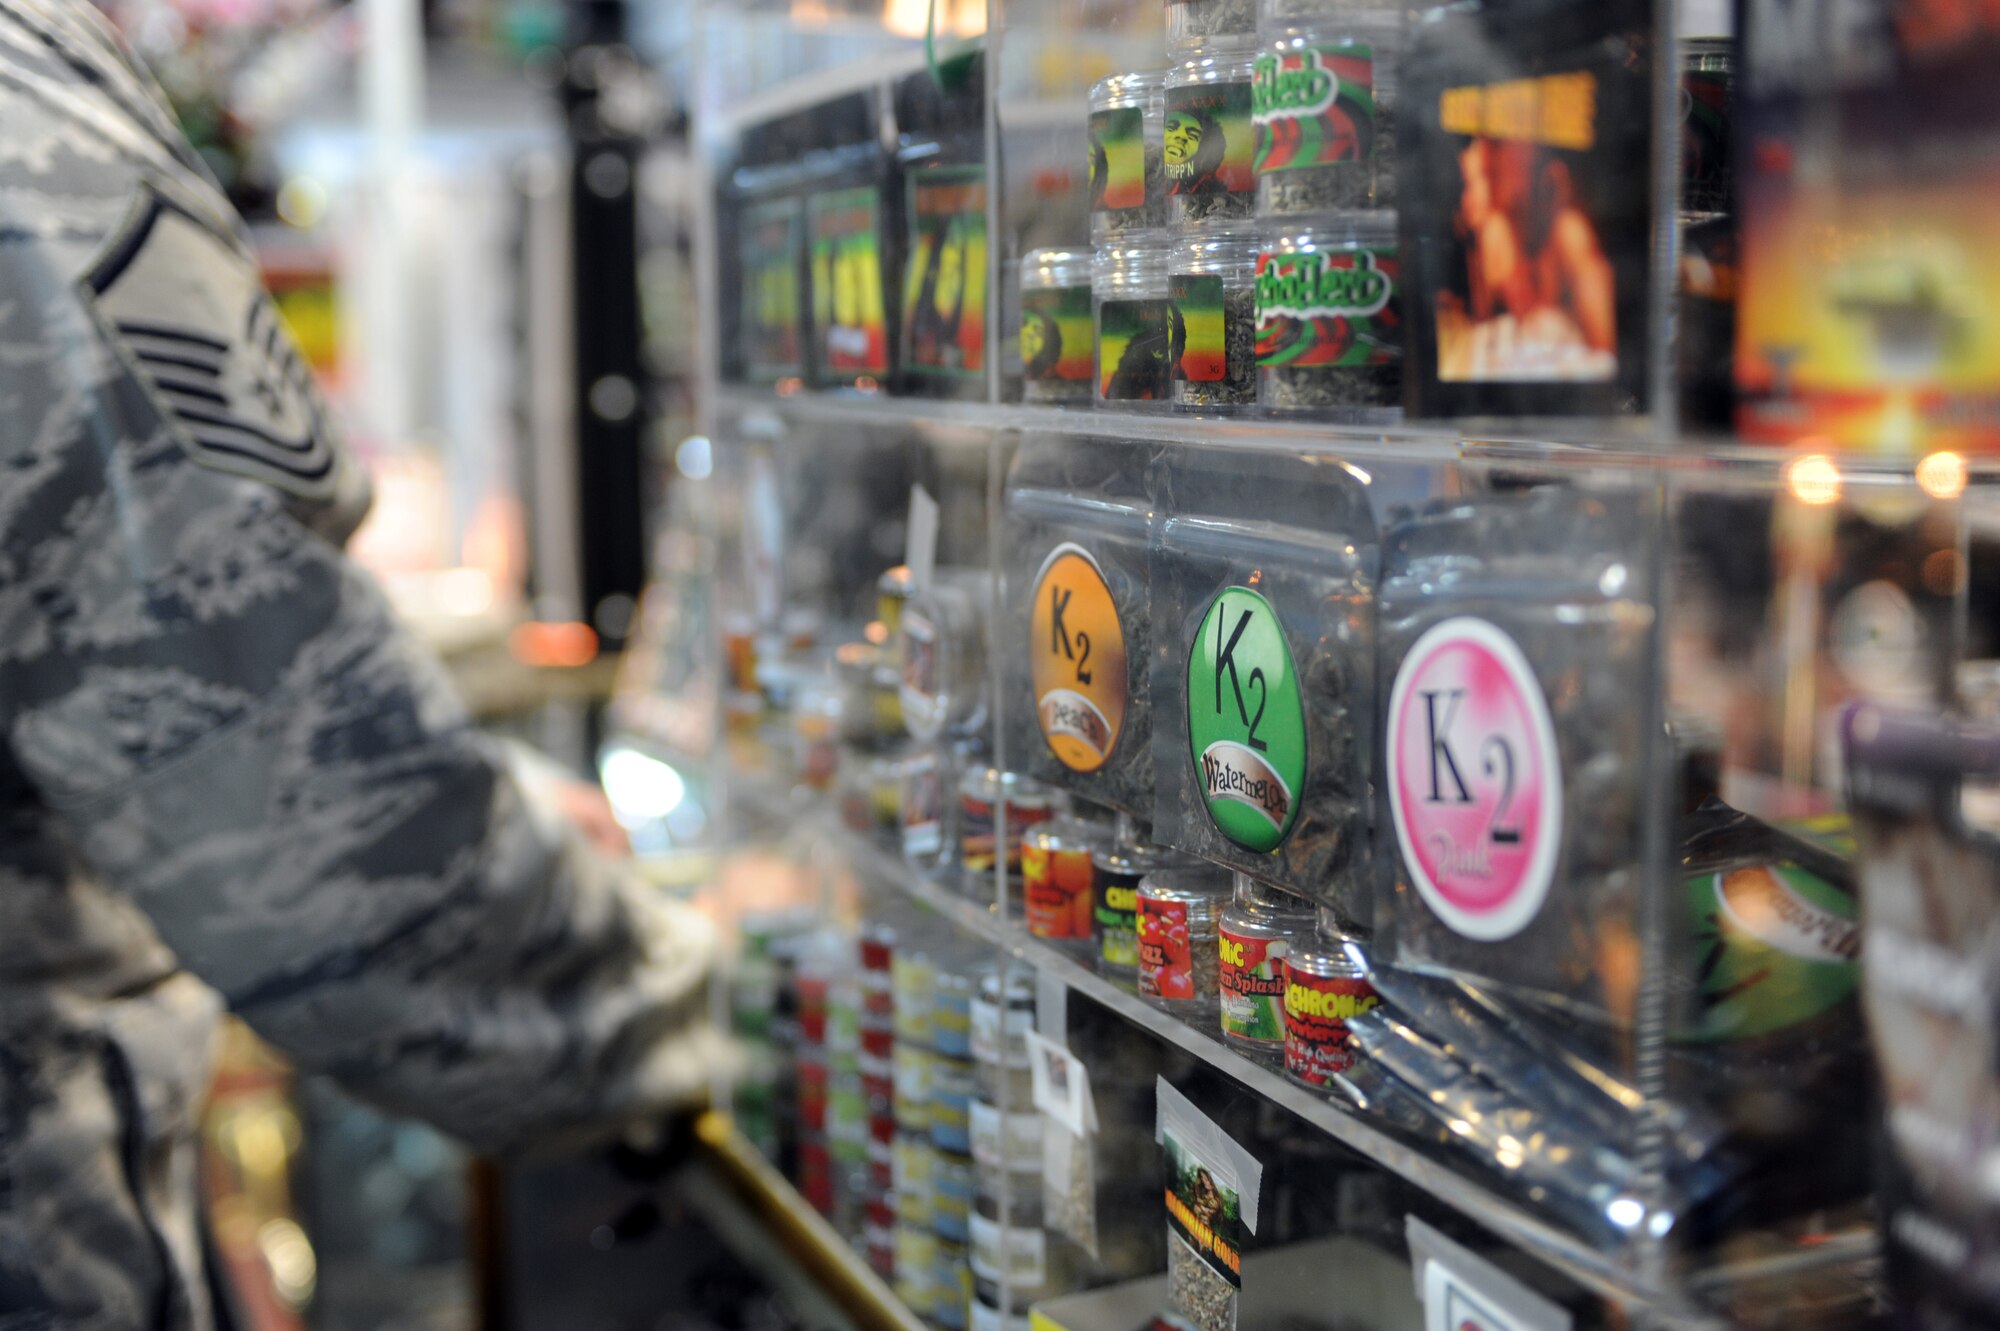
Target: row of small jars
{"x":1265,"y":970}
{"x":1292,"y":119}
{"x":1303,"y":316}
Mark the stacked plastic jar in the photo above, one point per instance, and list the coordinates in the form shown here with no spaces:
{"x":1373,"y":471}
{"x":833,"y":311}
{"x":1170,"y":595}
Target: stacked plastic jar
{"x":1329,"y":331}
{"x":1212,"y":312}
{"x":755,"y":1002}
{"x":816,"y":965}
{"x":1009,"y":1253}
{"x":1208,"y":143}
{"x":877,"y":947}
{"x":1255,"y":934}
{"x":913,"y":978}
{"x":954,"y":1084}
{"x":1055,"y":326}
{"x":1132,"y":320}
{"x":847,"y":1119}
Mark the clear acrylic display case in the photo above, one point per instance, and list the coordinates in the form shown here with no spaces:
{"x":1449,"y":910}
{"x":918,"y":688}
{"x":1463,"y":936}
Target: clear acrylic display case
{"x":1556,"y":717}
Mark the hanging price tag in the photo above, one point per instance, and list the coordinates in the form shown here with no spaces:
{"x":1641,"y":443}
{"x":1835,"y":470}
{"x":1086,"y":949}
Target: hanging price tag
{"x":1062,"y":1086}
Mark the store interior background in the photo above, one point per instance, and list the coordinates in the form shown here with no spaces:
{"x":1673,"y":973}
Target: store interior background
{"x":481,"y":219}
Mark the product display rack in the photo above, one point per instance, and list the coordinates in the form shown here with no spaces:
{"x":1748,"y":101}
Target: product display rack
{"x":783,"y":530}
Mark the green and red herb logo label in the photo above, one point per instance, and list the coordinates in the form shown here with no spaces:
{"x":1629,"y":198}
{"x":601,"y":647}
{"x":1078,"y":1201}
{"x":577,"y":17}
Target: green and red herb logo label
{"x":1246,"y":720}
{"x":1313,"y":106}
{"x":1321,"y":309}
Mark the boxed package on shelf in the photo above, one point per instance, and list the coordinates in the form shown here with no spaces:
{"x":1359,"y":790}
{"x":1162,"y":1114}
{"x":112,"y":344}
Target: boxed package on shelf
{"x":1516,"y":635}
{"x":1075,"y":647}
{"x":1526,"y":208}
{"x":940,"y":122}
{"x":1263,"y":671}
{"x":811,"y":193}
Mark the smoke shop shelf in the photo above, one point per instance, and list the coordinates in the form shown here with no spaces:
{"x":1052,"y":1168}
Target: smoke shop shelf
{"x":1717,"y":462}
{"x":1594,"y":1270}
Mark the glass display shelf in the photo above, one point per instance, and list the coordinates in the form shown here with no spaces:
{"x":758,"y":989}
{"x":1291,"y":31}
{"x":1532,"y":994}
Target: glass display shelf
{"x":1834,"y":1260}
{"x":1719,"y":461}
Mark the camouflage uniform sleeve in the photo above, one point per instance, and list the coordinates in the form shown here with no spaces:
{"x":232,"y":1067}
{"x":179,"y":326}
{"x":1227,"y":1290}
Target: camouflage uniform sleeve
{"x":228,"y":726}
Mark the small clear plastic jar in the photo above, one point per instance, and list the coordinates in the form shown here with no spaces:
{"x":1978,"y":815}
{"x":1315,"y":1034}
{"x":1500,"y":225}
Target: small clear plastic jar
{"x":1324,"y":101}
{"x":1179,"y":913}
{"x":1056,"y":879}
{"x":1118,"y":874}
{"x":1208,"y":146}
{"x":1254,"y":936}
{"x":1326,"y":982}
{"x":1129,"y":316}
{"x":1055,"y":326}
{"x":1212,"y":300}
{"x":1330,"y":318}
{"x":1194,"y":24}
{"x":1127,"y":179}
{"x":941,"y":646}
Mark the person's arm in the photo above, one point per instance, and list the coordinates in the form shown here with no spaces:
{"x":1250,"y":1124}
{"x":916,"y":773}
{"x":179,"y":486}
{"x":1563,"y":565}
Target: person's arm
{"x":228,"y":726}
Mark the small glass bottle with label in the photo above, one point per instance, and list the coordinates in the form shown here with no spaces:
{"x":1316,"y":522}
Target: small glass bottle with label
{"x":1127,"y":175}
{"x":1329,"y":318}
{"x":1212,"y":299}
{"x":1056,"y":878}
{"x":981,"y":792}
{"x":1209,"y":144}
{"x":1180,"y":911}
{"x":1131,"y":320}
{"x":1255,"y":934}
{"x":1326,"y":982}
{"x":1118,"y":873}
{"x":1055,"y":326}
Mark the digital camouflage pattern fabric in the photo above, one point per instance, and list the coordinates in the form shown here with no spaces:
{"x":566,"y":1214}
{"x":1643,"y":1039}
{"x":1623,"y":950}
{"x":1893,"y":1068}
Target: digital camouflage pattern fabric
{"x":226,"y":777}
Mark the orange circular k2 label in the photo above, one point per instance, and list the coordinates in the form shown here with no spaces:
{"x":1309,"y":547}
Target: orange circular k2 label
{"x":1077,"y":649}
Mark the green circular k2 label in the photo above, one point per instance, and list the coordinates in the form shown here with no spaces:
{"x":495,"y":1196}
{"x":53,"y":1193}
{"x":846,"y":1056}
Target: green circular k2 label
{"x":1246,"y":720}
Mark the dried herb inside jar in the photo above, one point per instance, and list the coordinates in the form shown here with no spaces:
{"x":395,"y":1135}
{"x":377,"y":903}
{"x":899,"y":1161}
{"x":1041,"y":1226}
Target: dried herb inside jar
{"x":1212,"y":292}
{"x":1329,"y":317}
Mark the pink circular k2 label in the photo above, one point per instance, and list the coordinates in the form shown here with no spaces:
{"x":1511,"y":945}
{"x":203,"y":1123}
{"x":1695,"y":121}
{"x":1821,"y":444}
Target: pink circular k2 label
{"x":1475,"y":780}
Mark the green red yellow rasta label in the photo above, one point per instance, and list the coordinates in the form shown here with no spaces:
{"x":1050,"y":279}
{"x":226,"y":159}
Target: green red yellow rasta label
{"x":1077,"y":660}
{"x":1246,"y":720}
